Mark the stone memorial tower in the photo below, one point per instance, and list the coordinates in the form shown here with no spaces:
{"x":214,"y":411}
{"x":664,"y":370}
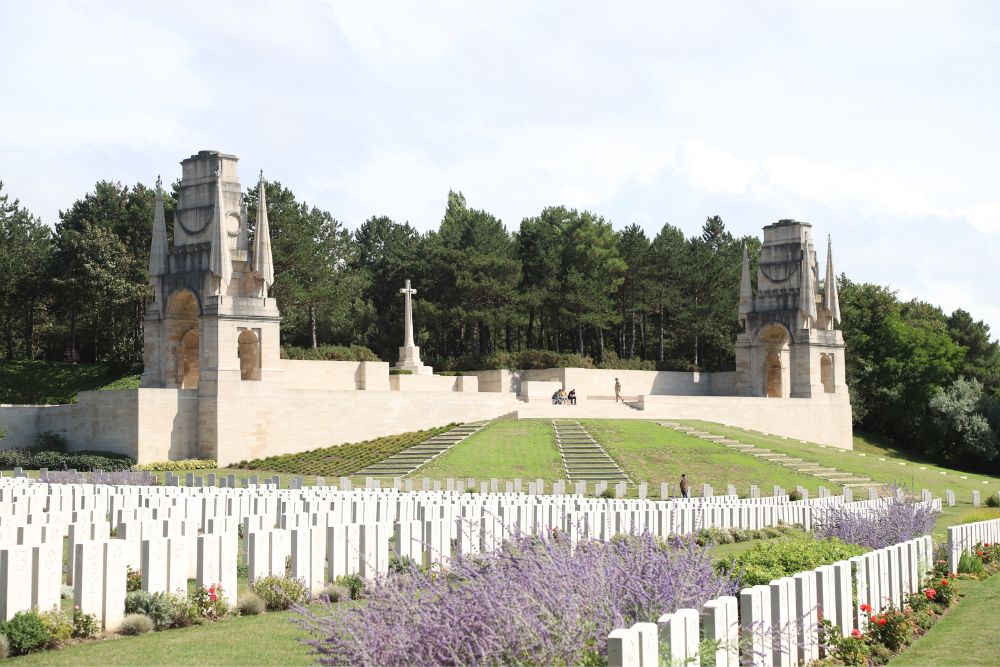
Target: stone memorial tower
{"x":211,"y":325}
{"x":790,"y":346}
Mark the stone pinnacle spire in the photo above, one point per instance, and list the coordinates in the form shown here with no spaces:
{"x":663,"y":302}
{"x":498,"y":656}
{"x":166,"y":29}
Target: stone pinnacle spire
{"x":831,"y":300}
{"x":263,"y":265}
{"x":746,"y":289}
{"x":220,"y":262}
{"x":158,"y":248}
{"x":807,"y":290}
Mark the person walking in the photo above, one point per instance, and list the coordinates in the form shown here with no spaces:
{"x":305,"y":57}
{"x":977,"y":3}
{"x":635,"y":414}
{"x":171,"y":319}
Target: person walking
{"x":618,"y":391}
{"x":685,"y":486}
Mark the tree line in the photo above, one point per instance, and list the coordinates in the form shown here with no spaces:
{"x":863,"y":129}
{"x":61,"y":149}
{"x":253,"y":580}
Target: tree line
{"x":565,"y":285}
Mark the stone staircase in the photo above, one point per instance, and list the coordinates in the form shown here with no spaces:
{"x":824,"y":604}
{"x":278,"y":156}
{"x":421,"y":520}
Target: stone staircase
{"x":832,"y":475}
{"x":583,"y":457}
{"x":412,"y":458}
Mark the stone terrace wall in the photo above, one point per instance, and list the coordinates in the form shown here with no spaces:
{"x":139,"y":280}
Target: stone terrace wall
{"x":823,"y":419}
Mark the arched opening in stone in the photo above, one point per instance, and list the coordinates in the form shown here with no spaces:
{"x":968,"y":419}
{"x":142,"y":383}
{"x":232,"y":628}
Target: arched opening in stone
{"x":775,"y":341}
{"x":248,"y":348}
{"x":826,"y":372}
{"x":184,"y":341}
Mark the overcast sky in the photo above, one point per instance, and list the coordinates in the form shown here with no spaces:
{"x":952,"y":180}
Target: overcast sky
{"x":876,"y":121}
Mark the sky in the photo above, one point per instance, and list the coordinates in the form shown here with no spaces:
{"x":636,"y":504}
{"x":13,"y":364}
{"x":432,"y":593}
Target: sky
{"x":875,"y":121}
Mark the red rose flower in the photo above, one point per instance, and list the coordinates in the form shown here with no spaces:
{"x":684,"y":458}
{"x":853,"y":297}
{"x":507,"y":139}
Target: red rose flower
{"x":856,"y":633}
{"x":866,"y":607}
{"x":944,"y":582}
{"x":881,"y":621}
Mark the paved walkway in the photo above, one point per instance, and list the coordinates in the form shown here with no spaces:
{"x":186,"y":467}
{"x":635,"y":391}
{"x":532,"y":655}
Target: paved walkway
{"x":833,"y":475}
{"x":583,"y":457}
{"x":412,"y":458}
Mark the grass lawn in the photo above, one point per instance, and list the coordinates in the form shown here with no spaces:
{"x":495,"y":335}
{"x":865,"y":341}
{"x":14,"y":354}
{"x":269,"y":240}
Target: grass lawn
{"x":268,"y":639}
{"x":962,"y":637}
{"x":505,"y":449}
{"x":653,"y":453}
{"x":49,"y":382}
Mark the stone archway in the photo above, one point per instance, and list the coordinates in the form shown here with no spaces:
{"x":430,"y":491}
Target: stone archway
{"x":775,"y":344}
{"x":183,"y":340}
{"x":248,"y":347}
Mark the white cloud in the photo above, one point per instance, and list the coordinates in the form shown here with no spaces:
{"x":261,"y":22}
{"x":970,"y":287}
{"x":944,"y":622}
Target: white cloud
{"x":984,"y":216}
{"x":716,"y":171}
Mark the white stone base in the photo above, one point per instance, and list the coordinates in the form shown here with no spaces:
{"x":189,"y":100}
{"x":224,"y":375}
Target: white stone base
{"x":409,"y":360}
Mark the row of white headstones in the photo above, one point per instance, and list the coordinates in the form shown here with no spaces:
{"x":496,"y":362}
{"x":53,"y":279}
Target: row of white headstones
{"x":777,"y":624}
{"x":173,"y":534}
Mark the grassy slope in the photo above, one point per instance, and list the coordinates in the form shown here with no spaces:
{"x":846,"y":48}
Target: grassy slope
{"x":505,"y":449}
{"x":653,"y":453}
{"x":49,"y":382}
{"x":962,"y":637}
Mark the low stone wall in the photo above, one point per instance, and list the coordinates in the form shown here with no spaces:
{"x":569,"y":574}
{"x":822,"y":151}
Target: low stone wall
{"x":823,"y":419}
{"x":335,"y":375}
{"x":409,"y":383}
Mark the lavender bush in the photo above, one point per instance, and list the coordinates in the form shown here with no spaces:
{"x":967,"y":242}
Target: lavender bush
{"x":897,"y":517}
{"x":116,"y":477}
{"x":535,"y":602}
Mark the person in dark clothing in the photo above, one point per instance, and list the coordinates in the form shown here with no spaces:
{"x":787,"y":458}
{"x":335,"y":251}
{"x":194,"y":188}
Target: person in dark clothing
{"x":685,"y":487}
{"x":572,"y":396}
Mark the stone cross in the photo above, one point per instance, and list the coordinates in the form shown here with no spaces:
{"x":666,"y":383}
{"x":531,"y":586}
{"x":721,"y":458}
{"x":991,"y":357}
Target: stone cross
{"x":408,"y":293}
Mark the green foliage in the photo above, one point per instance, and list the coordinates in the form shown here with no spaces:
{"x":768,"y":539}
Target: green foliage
{"x":993,"y":500}
{"x":4,"y":647}
{"x":26,"y":632}
{"x":354,"y":584}
{"x":329,"y":353}
{"x":344,"y":459}
{"x":774,"y":559}
{"x":164,"y":609}
{"x":43,"y":382}
{"x":135,"y":624}
{"x":209,"y":602}
{"x":280,"y":593}
{"x":85,"y":625}
{"x":336,"y":592}
{"x":971,"y":564}
{"x":400,"y":371}
{"x":182,"y":464}
{"x":59,"y":627}
{"x":960,"y":430}
{"x":82,"y":461}
{"x":250,"y":604}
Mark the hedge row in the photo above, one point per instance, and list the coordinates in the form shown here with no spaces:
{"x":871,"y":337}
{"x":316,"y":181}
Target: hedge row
{"x":82,"y":461}
{"x":343,"y":460}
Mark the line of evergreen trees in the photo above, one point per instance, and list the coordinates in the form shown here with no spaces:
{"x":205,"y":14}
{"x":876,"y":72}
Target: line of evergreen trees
{"x":564,"y":282}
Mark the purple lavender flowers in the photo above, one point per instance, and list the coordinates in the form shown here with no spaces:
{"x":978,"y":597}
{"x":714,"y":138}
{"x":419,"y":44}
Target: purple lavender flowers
{"x":534,"y":602}
{"x":896,"y":517}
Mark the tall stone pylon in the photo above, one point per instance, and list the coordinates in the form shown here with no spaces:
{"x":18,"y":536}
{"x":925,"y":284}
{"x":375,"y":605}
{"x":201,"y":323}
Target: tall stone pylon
{"x":409,"y":353}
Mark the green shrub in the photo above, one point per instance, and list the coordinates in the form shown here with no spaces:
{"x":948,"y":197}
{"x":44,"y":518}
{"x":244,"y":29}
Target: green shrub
{"x":250,"y":604}
{"x":971,"y":564}
{"x":342,"y":460}
{"x":401,"y":565}
{"x":774,"y":559}
{"x":83,"y":461}
{"x":182,"y":464}
{"x":607,"y":493}
{"x":4,"y":649}
{"x":329,"y":353}
{"x":400,"y":371}
{"x":280,"y":593}
{"x":770,"y":531}
{"x":25,"y":633}
{"x":993,"y":500}
{"x":335,"y":593}
{"x":740,"y":535}
{"x":135,"y":624}
{"x":133,"y":579}
{"x":159,"y":607}
{"x":795,"y":494}
{"x":210,"y":603}
{"x":85,"y":625}
{"x":354,"y":584}
{"x":59,"y":627}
